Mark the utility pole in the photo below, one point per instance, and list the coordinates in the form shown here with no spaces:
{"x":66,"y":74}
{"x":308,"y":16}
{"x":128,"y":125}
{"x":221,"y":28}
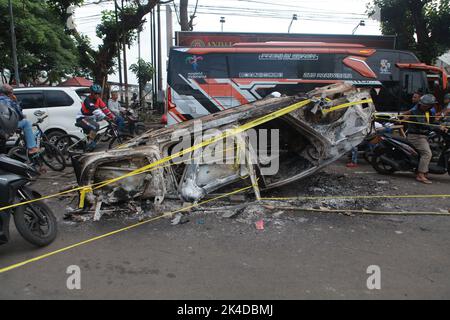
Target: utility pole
{"x":294,"y":18}
{"x":139,"y":61}
{"x":160,"y":73}
{"x":155,"y":58}
{"x":152,"y":57}
{"x":119,"y":59}
{"x":362,"y":23}
{"x":125,"y":67}
{"x":222,"y":21}
{"x":184,"y":15}
{"x":169,"y":28}
{"x":14,"y":45}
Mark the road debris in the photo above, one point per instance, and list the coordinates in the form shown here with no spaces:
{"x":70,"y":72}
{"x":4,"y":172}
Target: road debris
{"x":259,"y":225}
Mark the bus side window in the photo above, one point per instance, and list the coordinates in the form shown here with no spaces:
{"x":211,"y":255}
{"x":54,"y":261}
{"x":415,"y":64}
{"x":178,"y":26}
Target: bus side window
{"x":216,"y":67}
{"x":406,"y":83}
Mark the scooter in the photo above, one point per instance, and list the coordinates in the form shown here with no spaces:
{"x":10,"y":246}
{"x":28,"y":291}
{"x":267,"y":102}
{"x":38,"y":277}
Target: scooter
{"x":35,"y":221}
{"x":132,"y":122}
{"x":397,"y":154}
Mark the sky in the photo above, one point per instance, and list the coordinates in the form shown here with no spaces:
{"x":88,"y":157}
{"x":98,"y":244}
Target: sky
{"x":317,"y":16}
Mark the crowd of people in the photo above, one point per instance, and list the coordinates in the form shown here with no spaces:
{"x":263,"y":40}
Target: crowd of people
{"x":93,"y":110}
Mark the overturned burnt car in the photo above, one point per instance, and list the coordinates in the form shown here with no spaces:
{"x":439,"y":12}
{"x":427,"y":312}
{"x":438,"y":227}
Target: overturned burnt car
{"x":265,"y":144}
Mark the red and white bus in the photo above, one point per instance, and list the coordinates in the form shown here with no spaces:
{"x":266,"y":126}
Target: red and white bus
{"x":204,"y":80}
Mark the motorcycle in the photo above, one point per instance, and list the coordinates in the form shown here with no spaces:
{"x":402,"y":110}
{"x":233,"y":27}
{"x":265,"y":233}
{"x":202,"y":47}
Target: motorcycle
{"x":397,"y":154}
{"x":133,"y":126}
{"x":35,"y":221}
{"x":132,"y":122}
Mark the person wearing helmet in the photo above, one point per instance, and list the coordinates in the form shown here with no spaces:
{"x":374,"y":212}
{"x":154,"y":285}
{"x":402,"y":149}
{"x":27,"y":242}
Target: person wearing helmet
{"x":7,"y":97}
{"x":421,"y":117}
{"x":93,"y":109}
{"x":9,"y":122}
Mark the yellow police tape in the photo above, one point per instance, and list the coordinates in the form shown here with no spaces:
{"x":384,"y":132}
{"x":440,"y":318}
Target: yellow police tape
{"x":412,"y":122}
{"x":228,"y":133}
{"x":153,"y":166}
{"x":346,"y":105}
{"x":367,"y":212}
{"x":86,"y":189}
{"x":169,"y":214}
{"x":415,"y":196}
{"x":380,"y":114}
{"x":164,"y":215}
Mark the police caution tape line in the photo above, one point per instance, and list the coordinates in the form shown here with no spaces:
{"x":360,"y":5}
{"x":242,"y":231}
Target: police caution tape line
{"x":229,"y":133}
{"x":169,"y":214}
{"x":414,"y":196}
{"x":84,"y":190}
{"x":394,"y":116}
{"x":362,"y":211}
{"x":346,"y":105}
{"x":413,"y":122}
{"x":109,"y":234}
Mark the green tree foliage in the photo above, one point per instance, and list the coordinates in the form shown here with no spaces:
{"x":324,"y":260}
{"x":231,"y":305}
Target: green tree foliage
{"x":422,"y":26}
{"x":143,"y":71}
{"x":42,"y":43}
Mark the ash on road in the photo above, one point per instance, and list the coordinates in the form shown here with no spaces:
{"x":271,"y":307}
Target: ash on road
{"x":297,"y":255}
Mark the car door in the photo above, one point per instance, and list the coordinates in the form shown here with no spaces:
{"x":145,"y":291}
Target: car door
{"x":62,"y":110}
{"x":31,"y":101}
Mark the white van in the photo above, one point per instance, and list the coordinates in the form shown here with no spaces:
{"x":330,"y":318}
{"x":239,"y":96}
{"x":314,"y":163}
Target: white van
{"x":60,"y":103}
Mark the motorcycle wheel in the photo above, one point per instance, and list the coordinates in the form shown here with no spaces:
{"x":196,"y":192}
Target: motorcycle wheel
{"x":107,"y":136}
{"x":75,"y":144}
{"x":139,"y":129}
{"x":380,"y":166}
{"x":29,"y":226}
{"x":119,"y":140}
{"x":53,"y":157}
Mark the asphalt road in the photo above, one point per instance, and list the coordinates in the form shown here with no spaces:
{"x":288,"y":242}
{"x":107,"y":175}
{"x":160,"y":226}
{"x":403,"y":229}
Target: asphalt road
{"x":300,"y":255}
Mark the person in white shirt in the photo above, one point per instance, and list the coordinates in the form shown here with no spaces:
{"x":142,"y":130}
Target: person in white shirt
{"x":116,"y":108}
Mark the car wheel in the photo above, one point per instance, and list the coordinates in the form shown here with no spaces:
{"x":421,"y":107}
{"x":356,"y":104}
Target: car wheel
{"x":54,"y":135}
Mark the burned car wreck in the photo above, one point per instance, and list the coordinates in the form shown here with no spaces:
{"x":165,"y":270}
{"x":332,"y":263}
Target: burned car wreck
{"x":282,"y":147}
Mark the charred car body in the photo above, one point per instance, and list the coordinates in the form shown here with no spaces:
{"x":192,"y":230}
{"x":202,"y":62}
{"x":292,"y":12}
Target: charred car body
{"x":302,"y":141}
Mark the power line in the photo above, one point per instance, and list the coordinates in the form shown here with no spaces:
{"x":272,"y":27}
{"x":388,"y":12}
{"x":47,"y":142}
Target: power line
{"x":297,"y":7}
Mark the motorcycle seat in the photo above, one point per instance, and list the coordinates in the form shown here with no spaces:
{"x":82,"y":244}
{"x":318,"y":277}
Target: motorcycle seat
{"x":400,"y":139}
{"x":13,"y":166}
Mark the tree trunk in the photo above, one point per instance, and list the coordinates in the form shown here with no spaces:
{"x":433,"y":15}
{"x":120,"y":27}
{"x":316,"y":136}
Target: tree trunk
{"x":423,"y":40}
{"x":184,"y":15}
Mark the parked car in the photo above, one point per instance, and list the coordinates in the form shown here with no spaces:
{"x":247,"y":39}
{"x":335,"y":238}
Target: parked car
{"x":61,"y":104}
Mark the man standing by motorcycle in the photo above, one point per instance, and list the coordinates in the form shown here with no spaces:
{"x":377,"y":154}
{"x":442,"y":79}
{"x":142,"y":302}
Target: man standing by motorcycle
{"x":116,"y":108}
{"x":422,"y":119}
